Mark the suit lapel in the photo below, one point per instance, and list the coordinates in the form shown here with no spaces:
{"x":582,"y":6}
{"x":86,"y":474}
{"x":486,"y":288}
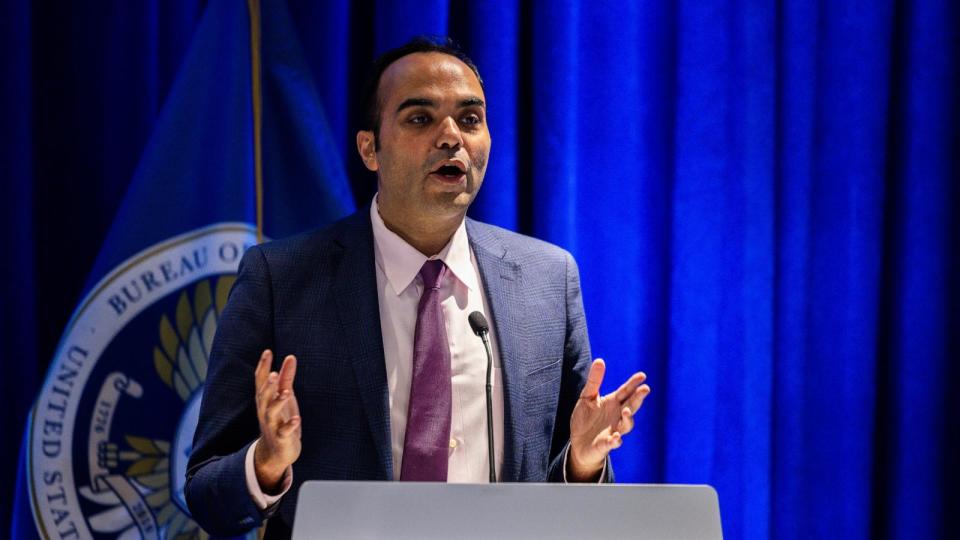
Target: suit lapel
{"x":502,"y":280}
{"x":355,"y":286}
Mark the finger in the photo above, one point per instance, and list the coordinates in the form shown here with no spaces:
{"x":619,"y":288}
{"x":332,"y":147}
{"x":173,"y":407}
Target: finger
{"x":287,"y":372}
{"x":289,"y":427}
{"x":610,"y":442}
{"x":592,"y":389}
{"x":268,"y":391}
{"x":626,"y":389}
{"x":625,"y":425}
{"x":636,"y":400}
{"x":293,"y":408}
{"x":263,"y":369}
{"x":272,"y":414}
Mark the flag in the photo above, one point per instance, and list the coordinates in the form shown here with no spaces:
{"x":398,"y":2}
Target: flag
{"x":240,"y":152}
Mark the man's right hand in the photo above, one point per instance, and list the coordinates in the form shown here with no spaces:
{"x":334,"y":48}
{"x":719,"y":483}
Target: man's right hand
{"x":279,"y":418}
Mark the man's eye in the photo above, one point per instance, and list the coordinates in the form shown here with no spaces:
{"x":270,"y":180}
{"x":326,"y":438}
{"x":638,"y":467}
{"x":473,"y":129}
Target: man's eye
{"x":471,"y":120}
{"x":419,"y":119}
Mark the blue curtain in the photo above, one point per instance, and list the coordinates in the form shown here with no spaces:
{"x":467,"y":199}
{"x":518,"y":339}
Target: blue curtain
{"x":762,"y":196}
{"x":21,"y":367}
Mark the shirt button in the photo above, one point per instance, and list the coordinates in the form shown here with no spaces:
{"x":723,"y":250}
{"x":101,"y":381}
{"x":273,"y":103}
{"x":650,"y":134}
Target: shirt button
{"x":453,"y":443}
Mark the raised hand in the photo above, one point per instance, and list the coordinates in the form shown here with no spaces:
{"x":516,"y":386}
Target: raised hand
{"x":598,"y":424}
{"x":279,"y":418}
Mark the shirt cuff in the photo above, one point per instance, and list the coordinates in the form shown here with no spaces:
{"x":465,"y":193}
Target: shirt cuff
{"x":261,"y":499}
{"x":566,"y":453}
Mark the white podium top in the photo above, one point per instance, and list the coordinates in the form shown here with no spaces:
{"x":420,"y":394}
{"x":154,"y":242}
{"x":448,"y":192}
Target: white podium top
{"x":412,"y":510}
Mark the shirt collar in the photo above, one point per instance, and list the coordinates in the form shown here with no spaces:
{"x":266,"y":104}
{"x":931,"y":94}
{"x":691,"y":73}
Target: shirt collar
{"x":401,"y":262}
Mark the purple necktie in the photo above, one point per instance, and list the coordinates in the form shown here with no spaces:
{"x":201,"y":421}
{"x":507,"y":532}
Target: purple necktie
{"x":426,"y":443}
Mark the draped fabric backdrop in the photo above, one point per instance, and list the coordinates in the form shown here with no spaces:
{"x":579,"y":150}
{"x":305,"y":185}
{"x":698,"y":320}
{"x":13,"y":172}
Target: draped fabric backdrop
{"x":762,"y":196}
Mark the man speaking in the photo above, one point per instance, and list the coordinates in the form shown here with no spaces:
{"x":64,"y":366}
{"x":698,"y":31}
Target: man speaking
{"x":382,"y":376}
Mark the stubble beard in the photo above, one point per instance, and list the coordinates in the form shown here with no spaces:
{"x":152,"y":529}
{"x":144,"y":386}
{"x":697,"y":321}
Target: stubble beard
{"x":432,"y":204}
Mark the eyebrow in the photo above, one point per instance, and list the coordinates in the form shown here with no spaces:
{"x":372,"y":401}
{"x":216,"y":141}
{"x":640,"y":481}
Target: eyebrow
{"x":424,"y":102}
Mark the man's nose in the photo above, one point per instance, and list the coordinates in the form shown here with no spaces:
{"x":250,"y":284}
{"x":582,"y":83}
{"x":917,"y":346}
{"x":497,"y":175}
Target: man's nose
{"x":450,"y":135}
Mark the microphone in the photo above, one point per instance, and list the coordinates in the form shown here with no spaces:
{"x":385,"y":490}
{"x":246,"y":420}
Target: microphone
{"x":480,"y":327}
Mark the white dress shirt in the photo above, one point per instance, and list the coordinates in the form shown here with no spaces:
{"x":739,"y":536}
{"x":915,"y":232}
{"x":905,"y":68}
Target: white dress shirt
{"x":398,"y":289}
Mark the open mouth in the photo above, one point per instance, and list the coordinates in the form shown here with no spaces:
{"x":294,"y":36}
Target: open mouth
{"x":450,"y":171}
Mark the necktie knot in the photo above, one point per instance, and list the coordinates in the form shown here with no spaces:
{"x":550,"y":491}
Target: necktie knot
{"x":432,"y":273}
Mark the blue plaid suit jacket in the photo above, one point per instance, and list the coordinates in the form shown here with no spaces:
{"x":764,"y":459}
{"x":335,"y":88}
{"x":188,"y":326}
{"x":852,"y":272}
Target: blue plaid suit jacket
{"x":314,"y":296}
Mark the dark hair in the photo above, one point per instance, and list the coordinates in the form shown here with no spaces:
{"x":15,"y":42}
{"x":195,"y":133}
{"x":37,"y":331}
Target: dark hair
{"x":419,"y":44}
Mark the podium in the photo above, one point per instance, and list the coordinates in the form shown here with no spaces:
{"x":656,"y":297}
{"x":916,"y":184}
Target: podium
{"x":408,"y":510}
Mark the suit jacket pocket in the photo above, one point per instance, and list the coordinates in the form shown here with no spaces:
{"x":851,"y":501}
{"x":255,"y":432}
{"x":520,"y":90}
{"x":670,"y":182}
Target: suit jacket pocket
{"x":543,"y":372}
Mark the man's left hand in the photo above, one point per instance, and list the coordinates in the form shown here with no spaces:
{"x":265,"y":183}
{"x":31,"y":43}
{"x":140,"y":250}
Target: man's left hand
{"x":598,"y":423}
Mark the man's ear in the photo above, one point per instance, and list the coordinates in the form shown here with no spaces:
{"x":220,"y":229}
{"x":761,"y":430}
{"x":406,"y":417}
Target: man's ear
{"x":367,"y":148}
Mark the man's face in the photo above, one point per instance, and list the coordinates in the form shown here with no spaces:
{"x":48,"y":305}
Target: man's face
{"x":433,"y":142}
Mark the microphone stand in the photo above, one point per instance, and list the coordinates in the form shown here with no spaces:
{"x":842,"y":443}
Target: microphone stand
{"x":480,"y":327}
{"x":493,"y":470}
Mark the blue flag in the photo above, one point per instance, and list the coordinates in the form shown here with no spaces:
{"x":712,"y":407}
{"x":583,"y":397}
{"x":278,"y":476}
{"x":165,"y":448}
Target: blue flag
{"x":241,"y":152}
